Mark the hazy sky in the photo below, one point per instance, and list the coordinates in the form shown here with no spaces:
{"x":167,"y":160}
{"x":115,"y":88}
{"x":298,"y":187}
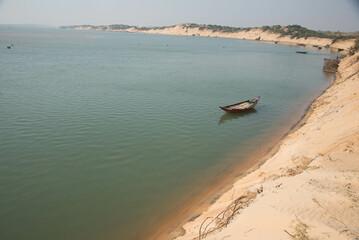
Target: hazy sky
{"x":334,"y":15}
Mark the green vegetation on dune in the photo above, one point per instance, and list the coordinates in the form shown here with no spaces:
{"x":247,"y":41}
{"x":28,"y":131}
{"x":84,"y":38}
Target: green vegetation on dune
{"x":297,"y":31}
{"x":294,"y":31}
{"x":119,"y":26}
{"x":354,"y":48}
{"x":214,"y":28}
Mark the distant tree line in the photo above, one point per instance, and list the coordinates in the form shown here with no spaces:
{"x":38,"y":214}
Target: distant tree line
{"x":214,"y":28}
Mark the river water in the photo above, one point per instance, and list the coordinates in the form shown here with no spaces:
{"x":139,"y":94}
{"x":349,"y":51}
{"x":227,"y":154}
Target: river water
{"x":104,"y":133}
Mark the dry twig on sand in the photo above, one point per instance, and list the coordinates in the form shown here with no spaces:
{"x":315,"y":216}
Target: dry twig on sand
{"x":226,"y":216}
{"x":300,"y":232}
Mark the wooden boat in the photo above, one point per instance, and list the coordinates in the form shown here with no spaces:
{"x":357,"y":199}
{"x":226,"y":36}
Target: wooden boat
{"x":302,"y":52}
{"x":242,"y":106}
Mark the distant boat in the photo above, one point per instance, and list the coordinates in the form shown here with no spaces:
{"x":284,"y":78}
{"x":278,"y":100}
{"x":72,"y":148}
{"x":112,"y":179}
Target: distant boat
{"x":242,"y":106}
{"x":315,"y":46}
{"x":302,"y":52}
{"x":8,"y":47}
{"x":275,"y":42}
{"x":319,"y":48}
{"x":340,"y":49}
{"x":301,"y":44}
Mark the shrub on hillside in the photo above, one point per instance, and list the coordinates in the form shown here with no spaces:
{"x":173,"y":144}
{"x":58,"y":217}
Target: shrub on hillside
{"x":354,"y":48}
{"x":331,"y":65}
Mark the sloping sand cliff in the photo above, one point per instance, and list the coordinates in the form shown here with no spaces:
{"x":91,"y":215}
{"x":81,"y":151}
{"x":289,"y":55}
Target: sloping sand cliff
{"x":252,"y":34}
{"x":308,"y":188}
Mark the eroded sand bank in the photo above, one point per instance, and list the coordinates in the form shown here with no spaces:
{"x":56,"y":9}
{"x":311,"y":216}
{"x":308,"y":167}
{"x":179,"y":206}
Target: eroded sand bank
{"x":309,"y":187}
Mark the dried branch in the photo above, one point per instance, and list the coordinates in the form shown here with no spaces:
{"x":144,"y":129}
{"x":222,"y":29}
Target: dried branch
{"x":226,"y":216}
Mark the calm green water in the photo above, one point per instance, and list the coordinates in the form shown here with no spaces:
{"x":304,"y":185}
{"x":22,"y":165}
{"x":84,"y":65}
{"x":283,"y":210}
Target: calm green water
{"x":104,"y":133}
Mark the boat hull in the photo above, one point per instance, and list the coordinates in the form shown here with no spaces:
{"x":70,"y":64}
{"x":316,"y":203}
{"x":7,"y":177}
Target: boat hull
{"x":229,"y":110}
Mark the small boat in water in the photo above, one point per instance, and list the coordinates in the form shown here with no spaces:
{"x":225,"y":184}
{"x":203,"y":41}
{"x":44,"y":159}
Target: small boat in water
{"x":242,"y":106}
{"x":302,"y":52}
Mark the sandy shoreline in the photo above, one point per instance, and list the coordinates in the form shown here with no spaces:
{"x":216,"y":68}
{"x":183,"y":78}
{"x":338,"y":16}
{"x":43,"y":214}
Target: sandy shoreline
{"x":198,"y":204}
{"x":308,"y":185}
{"x":172,"y":227}
{"x":252,"y":34}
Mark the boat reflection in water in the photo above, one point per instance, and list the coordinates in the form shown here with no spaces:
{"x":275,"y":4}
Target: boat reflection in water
{"x":230,"y":116}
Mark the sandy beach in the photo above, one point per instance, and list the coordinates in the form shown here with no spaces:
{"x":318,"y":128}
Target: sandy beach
{"x":308,"y":186}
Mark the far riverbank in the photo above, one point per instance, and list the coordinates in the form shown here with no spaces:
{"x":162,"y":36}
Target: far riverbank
{"x":274,"y":34}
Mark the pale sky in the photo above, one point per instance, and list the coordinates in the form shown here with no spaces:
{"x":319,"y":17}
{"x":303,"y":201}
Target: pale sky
{"x":333,"y":15}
